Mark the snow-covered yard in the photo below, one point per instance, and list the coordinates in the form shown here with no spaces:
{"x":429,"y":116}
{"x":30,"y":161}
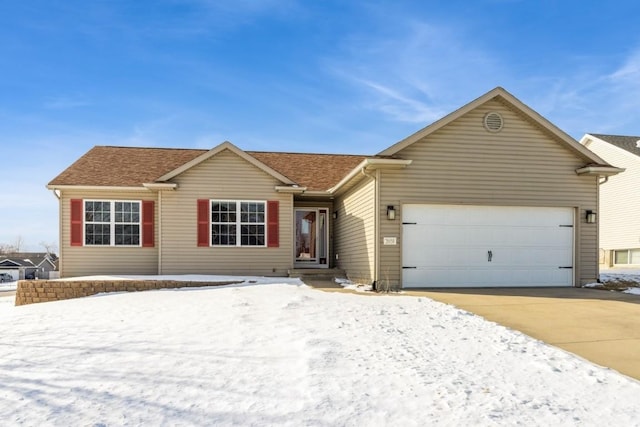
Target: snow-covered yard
{"x":285,"y":354}
{"x":8,"y":286}
{"x":622,"y":279}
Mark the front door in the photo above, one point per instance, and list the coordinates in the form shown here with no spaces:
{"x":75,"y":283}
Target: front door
{"x":312,"y":236}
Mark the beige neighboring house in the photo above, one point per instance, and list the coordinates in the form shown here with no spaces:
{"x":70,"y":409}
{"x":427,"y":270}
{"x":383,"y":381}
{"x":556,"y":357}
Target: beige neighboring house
{"x":491,"y":195}
{"x":619,"y":214}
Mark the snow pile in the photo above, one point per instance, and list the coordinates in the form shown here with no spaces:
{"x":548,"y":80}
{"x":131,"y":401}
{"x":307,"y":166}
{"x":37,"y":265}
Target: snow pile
{"x":348,"y":284}
{"x":283,"y":354}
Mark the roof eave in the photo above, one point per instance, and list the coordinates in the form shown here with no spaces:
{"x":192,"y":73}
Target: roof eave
{"x":370,"y":164}
{"x":598,"y":170}
{"x":316,"y":193}
{"x":160,"y":185}
{"x":96,"y":187}
{"x":290,"y":189}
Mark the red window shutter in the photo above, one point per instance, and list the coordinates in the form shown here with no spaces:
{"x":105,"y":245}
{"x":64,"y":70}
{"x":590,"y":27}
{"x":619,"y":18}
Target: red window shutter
{"x":76,"y":222}
{"x":273,"y":224}
{"x":148,"y":227}
{"x":203,"y":222}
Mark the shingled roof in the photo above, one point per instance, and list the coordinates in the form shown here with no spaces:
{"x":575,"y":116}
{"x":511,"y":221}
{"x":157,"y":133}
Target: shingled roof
{"x":108,"y":166}
{"x":314,"y":171}
{"x":628,"y":143}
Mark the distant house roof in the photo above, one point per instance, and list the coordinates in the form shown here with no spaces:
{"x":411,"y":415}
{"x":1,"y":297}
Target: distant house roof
{"x":107,"y":166}
{"x":29,"y":259}
{"x":5,"y":261}
{"x":628,"y":143}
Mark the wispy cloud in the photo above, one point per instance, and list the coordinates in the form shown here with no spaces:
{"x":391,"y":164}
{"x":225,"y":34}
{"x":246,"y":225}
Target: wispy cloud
{"x":595,"y":95}
{"x":66,"y":102}
{"x":399,"y":106}
{"x":417,"y":73}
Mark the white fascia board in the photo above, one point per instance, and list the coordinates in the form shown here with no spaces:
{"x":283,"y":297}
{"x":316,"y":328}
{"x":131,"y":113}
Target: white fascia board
{"x":95,"y":187}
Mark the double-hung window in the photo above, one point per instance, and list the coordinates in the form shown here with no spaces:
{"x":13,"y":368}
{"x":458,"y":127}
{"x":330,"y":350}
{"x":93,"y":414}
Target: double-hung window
{"x":112,"y":223}
{"x":238,"y":223}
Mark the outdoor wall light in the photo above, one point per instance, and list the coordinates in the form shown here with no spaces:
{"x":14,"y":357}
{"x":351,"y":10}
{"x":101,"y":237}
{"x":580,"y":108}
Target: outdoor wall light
{"x":335,"y":215}
{"x":591,"y":217}
{"x":391,"y":212}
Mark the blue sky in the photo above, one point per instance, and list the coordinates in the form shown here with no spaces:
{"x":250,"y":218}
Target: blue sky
{"x":286,"y":75}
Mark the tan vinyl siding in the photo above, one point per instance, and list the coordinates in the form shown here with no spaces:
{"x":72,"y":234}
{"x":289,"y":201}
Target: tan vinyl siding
{"x":355,"y":231}
{"x":91,"y":260}
{"x":462,"y":163}
{"x":224,"y":176}
{"x":619,"y":212}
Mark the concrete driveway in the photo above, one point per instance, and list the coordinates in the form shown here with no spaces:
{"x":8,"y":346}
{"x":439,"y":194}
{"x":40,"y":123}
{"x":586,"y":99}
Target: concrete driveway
{"x":600,"y":326}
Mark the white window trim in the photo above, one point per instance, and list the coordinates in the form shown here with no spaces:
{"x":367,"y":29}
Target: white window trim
{"x":238,"y":223}
{"x":112,"y":223}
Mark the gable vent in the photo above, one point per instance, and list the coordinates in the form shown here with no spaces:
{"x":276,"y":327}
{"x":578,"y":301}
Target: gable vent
{"x":493,"y":122}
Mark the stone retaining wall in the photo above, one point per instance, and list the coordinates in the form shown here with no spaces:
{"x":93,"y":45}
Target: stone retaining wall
{"x":33,"y":291}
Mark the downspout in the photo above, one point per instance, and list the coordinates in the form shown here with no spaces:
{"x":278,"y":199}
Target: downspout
{"x":58,"y":194}
{"x":601,"y":181}
{"x":159,"y":232}
{"x":376,"y":225}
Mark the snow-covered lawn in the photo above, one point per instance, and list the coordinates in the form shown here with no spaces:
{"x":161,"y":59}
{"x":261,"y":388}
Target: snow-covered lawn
{"x":285,"y":354}
{"x":8,"y":286}
{"x":619,"y":279}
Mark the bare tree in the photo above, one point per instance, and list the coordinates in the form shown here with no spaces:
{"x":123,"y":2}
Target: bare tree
{"x":50,"y":247}
{"x":16,"y":246}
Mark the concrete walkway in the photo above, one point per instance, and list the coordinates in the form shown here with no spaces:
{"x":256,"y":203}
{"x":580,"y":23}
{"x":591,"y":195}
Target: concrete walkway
{"x":600,"y":326}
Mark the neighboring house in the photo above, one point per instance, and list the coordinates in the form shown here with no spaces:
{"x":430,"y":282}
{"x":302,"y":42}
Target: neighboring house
{"x":619,"y":212}
{"x":491,"y":195}
{"x":23,"y":265}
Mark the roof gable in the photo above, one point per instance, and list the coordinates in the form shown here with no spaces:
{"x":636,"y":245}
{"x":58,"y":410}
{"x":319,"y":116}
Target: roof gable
{"x":240,"y":153}
{"x":627,"y":143}
{"x":132,"y":167}
{"x":504,"y":96}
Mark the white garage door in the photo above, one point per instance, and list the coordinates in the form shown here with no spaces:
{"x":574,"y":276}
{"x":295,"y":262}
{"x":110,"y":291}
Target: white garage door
{"x":14,"y":273}
{"x":486,"y":246}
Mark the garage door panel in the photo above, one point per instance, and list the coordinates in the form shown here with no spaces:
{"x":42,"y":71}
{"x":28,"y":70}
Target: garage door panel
{"x":464,"y":246}
{"x":465,"y":278}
